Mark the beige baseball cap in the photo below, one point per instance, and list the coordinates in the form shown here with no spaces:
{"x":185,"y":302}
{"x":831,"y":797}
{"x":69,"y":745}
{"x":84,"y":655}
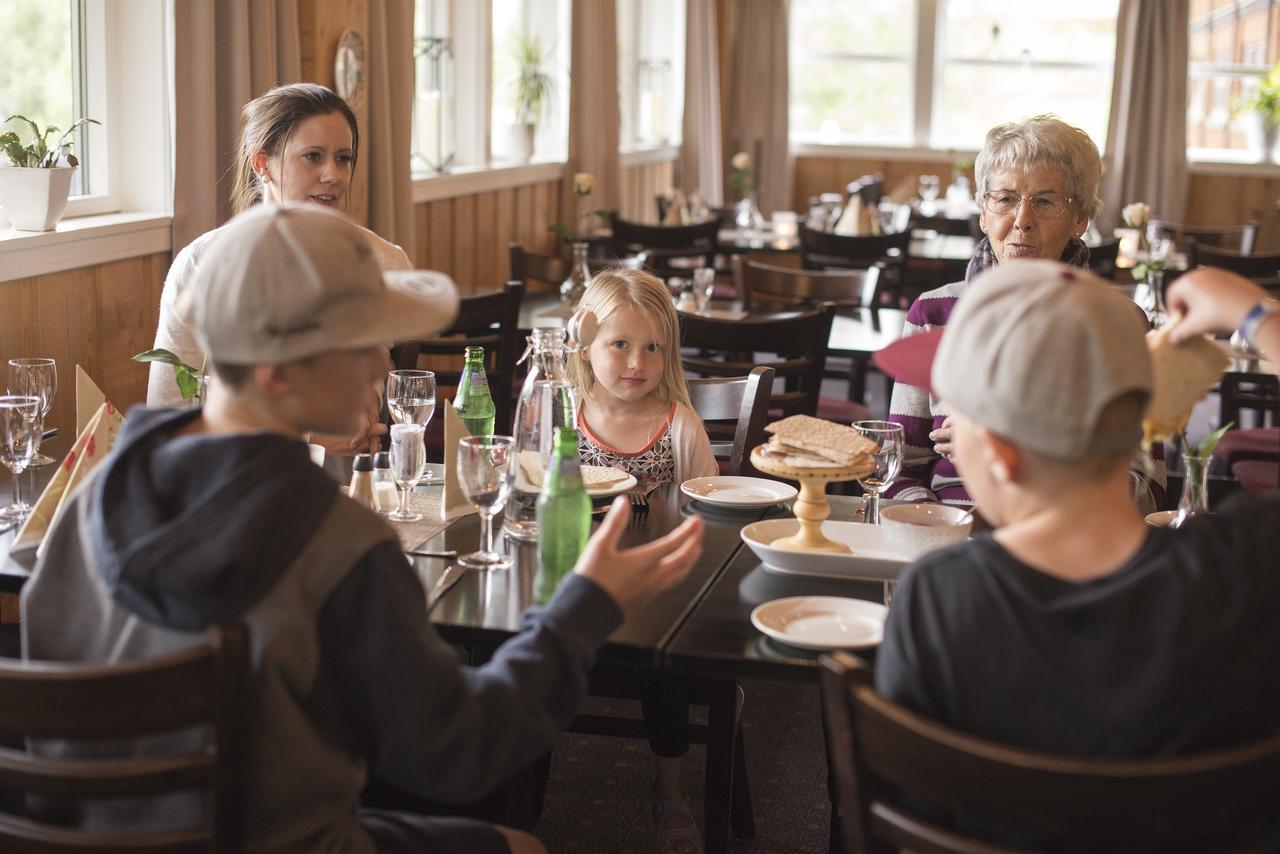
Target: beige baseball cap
{"x":278,"y":284}
{"x":1034,"y":351}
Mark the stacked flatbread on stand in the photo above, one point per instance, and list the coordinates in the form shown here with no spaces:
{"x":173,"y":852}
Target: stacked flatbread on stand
{"x":533,"y":472}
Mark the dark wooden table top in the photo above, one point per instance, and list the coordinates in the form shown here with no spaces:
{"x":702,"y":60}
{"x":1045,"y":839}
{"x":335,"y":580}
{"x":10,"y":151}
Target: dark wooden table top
{"x":718,"y":638}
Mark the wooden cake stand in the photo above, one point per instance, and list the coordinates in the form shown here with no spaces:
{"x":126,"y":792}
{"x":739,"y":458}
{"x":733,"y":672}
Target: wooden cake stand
{"x":811,"y":507}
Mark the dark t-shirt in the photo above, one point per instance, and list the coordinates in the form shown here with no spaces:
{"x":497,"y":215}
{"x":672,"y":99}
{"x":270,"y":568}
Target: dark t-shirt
{"x":1175,"y":652}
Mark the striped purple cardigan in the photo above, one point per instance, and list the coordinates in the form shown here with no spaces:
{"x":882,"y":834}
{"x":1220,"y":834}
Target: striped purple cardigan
{"x":927,"y":476}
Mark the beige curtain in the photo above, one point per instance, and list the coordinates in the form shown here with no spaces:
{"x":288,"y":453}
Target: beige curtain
{"x":701,"y":163}
{"x":1146,"y":152}
{"x":387,"y":140}
{"x":758,"y":96}
{"x":225,"y":53}
{"x":593,"y":107}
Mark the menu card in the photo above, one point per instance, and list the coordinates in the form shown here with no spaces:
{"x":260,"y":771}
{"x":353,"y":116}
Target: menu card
{"x":453,"y":501}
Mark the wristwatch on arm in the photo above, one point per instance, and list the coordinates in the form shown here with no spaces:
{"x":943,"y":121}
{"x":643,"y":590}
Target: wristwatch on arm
{"x":1253,"y":320}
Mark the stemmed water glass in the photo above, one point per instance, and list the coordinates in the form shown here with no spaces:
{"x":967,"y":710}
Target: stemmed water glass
{"x":408,"y":462}
{"x":486,"y":472}
{"x":929,"y":187}
{"x":37,"y":378}
{"x":19,"y":436}
{"x":887,"y":437}
{"x":411,"y":398}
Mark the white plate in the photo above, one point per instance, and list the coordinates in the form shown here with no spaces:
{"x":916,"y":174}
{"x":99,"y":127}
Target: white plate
{"x":742,"y":493}
{"x":523,"y":484}
{"x":870,"y":554}
{"x":822,"y":622}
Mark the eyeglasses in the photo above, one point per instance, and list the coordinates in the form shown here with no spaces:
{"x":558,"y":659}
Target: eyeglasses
{"x":1043,"y":205}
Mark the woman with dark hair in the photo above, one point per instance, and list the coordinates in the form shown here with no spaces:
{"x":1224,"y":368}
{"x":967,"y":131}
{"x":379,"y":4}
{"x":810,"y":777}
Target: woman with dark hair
{"x":298,"y":145}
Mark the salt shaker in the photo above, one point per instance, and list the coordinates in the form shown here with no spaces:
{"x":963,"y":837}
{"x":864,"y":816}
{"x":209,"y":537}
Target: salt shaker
{"x":384,"y":486}
{"x":361,"y":488}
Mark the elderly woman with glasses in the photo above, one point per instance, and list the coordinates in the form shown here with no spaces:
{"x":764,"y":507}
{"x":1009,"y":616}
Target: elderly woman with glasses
{"x":1037,"y":186}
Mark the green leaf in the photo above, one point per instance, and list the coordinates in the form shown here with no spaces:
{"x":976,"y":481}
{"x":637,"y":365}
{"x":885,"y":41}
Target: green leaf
{"x":166,"y":357}
{"x":35,"y":129}
{"x":188,"y":381}
{"x":563,"y":231}
{"x":1208,"y":443}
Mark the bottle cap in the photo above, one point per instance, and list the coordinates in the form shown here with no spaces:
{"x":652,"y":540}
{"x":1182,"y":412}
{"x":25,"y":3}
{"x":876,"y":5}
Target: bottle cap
{"x":382,"y":460}
{"x":363,"y":462}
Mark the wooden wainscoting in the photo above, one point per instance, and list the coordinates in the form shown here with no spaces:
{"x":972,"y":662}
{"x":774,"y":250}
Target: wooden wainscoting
{"x":467,"y":236}
{"x":1231,"y":199}
{"x":97,"y":317}
{"x":641,"y":184}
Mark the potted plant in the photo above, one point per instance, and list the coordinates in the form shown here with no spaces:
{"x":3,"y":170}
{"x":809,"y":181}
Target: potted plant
{"x":1264,"y":103}
{"x":34,"y":188}
{"x":534,"y":86}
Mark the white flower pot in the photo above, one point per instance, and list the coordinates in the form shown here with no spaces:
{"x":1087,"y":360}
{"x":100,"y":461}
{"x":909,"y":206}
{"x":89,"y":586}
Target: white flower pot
{"x":35,"y":199}
{"x":521,"y":142}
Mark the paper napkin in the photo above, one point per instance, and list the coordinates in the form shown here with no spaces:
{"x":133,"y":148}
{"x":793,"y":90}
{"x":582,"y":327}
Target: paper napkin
{"x":88,"y":398}
{"x":91,"y":446}
{"x":453,"y":502}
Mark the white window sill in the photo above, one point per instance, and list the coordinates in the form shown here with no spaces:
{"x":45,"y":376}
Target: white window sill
{"x":467,"y":180}
{"x":904,"y":153}
{"x":647,"y":156}
{"x":83,"y":242}
{"x":1225,"y":167}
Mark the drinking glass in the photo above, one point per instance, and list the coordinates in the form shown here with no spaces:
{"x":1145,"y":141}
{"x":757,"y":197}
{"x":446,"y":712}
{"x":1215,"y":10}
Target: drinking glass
{"x":929,"y":187}
{"x":704,"y":285}
{"x":19,"y":435}
{"x":408,"y":462}
{"x":486,"y":473}
{"x":887,"y":437}
{"x":411,"y":398}
{"x":37,"y":378}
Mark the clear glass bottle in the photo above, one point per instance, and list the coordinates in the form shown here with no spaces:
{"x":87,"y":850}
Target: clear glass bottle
{"x":564,"y":516}
{"x":1195,"y":488}
{"x":547,"y":401}
{"x":473,"y":401}
{"x":575,"y":284}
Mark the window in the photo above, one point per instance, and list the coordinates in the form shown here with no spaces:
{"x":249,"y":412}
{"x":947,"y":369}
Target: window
{"x":650,"y":72}
{"x":851,"y":71}
{"x":530,"y":42}
{"x":1230,"y":46}
{"x":43,"y":77}
{"x":435,"y":138}
{"x":940,"y":73}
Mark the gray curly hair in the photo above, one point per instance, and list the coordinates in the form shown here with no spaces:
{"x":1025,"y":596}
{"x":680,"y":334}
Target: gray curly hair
{"x":1043,"y":141}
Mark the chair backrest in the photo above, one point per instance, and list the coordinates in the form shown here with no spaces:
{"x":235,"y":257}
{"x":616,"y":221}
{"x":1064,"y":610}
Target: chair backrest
{"x":1221,"y":801}
{"x":728,"y":348}
{"x":766,"y":287}
{"x":940,"y":224}
{"x":1102,"y":258}
{"x":534,"y":267}
{"x":694,"y":245}
{"x":743,"y":401}
{"x":92,"y":704}
{"x":1260,"y":266}
{"x":1237,"y":237}
{"x":491,"y":321}
{"x":820,"y":250}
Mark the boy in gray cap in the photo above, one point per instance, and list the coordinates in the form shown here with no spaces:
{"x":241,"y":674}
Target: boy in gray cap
{"x":1075,"y":628}
{"x":201,"y":517}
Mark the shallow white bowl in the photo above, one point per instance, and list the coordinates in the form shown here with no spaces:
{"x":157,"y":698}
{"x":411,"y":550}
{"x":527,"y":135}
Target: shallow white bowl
{"x":917,"y":529}
{"x":1161,"y":518}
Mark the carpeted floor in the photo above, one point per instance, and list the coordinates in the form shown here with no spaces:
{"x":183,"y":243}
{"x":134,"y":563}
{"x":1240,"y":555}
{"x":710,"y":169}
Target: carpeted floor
{"x":598,"y":796}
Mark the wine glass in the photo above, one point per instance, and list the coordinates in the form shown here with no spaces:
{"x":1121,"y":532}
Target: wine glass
{"x":704,"y":286}
{"x":486,"y":473}
{"x":411,"y":398}
{"x":408,"y":461}
{"x":37,"y":378}
{"x":887,"y":437}
{"x":19,"y":435}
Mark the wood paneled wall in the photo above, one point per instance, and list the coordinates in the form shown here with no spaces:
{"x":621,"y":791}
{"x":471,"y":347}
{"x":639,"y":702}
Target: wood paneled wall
{"x":467,"y":236}
{"x":641,"y":184}
{"x":97,"y":317}
{"x":1212,"y":199}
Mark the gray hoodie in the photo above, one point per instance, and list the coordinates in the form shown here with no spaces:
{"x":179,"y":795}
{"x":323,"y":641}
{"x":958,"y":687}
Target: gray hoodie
{"x":173,"y":534}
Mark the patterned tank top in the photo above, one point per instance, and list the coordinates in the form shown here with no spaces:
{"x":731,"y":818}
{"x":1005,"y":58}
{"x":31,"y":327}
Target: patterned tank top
{"x":652,"y":465}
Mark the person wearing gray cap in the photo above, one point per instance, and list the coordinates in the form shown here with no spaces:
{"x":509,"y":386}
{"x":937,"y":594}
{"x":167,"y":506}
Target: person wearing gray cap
{"x":217,"y":515}
{"x":1076,"y":629}
{"x":1037,"y":189}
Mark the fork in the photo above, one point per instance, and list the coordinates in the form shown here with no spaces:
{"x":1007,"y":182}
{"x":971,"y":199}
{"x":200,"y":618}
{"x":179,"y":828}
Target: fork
{"x":639,"y":499}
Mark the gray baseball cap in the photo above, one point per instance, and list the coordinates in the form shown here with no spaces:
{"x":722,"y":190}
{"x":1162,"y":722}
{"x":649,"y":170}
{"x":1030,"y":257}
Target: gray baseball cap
{"x":1034,"y":351}
{"x":278,"y":284}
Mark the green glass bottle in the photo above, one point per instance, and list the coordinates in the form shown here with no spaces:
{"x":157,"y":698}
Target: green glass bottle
{"x":473,"y":402}
{"x":564,"y":516}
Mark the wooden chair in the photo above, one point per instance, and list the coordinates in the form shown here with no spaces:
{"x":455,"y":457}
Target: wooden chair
{"x":1261,"y":266}
{"x":1240,"y":238}
{"x":538,"y":271}
{"x":668,"y":249}
{"x":741,"y":405}
{"x":491,"y":321}
{"x":939,"y":224}
{"x":876,"y":749}
{"x":95,"y":704}
{"x":822,"y":251}
{"x":765,"y":287}
{"x":798,"y":340}
{"x":1102,"y":258}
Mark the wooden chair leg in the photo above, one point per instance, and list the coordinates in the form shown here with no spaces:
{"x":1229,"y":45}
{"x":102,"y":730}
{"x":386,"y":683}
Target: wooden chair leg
{"x":741,"y":816}
{"x":721,"y":703}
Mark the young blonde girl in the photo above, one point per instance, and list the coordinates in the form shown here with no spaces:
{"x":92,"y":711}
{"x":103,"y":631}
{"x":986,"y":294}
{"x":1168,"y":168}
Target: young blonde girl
{"x":635,"y":411}
{"x":636,"y":415}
